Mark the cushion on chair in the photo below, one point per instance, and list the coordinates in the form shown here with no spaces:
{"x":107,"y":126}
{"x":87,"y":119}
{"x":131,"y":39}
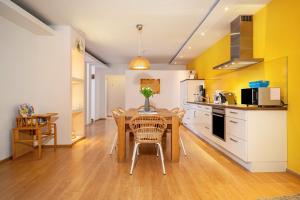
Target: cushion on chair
{"x":26,"y":110}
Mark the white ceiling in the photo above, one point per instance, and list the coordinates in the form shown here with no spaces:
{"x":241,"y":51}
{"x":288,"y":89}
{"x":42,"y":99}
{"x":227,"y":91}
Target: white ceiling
{"x":109,"y":25}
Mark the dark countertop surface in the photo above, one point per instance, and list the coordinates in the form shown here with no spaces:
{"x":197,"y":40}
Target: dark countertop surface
{"x":242,"y":107}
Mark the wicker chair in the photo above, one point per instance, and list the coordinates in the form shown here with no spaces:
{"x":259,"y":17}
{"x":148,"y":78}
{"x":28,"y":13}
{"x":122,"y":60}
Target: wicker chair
{"x":147,"y":129}
{"x":180,"y":114}
{"x":175,"y":110}
{"x":121,"y":110}
{"x":116,"y":114}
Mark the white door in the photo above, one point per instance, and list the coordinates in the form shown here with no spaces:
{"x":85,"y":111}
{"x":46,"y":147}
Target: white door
{"x":115,"y":92}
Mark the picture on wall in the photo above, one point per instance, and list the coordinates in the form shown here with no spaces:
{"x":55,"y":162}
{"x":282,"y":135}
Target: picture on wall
{"x":154,"y":84}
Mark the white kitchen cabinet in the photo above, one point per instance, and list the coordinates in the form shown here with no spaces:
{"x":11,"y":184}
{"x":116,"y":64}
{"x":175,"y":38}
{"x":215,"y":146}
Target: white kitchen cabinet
{"x":236,"y":146}
{"x":234,"y":113}
{"x":198,"y":118}
{"x":256,"y":139}
{"x":236,"y":127}
{"x":189,"y":89}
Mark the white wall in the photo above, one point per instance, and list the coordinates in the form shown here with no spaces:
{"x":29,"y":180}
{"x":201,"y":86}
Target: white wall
{"x":115,"y":92}
{"x":100,"y":77}
{"x":54,"y":80}
{"x":18,"y":70}
{"x":169,"y":96}
{"x":119,"y":69}
{"x":34,"y":69}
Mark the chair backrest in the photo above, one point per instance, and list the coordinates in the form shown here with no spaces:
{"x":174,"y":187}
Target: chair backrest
{"x":121,"y":110}
{"x":116,"y":114}
{"x":148,"y":128}
{"x":175,"y":110}
{"x":180,"y":114}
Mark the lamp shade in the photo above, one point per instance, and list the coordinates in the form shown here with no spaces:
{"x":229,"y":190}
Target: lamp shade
{"x":139,"y":63}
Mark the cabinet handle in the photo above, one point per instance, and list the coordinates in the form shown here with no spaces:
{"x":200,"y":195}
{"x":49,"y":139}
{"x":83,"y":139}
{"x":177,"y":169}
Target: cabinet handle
{"x":233,"y":112}
{"x":234,"y":122}
{"x":206,"y":115}
{"x":233,"y":140}
{"x":206,"y":127}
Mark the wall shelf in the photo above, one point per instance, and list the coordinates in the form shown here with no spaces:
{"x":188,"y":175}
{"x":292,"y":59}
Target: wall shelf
{"x":77,"y":80}
{"x":78,"y":91}
{"x":77,"y":111}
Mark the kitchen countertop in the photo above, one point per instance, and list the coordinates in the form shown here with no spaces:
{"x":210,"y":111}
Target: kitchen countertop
{"x":242,"y":107}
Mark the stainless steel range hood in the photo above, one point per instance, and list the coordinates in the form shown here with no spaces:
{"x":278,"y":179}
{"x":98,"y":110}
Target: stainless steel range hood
{"x":241,"y":44}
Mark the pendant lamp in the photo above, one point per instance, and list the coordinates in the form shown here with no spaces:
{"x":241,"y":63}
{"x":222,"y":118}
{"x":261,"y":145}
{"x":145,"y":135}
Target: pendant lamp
{"x":139,"y":62}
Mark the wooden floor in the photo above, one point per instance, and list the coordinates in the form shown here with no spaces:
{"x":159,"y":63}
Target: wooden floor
{"x":87,"y":172}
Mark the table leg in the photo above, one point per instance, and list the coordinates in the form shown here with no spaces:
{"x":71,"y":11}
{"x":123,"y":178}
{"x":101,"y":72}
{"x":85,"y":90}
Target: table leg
{"x":175,"y":151}
{"x":121,"y":139}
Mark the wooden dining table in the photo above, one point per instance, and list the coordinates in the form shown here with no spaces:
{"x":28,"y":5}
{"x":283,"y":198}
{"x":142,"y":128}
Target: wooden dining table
{"x":172,"y":122}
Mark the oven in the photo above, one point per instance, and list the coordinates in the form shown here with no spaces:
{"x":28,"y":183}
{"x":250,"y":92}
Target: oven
{"x":218,"y":122}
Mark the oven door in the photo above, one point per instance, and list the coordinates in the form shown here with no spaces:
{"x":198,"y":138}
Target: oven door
{"x":219,"y":125}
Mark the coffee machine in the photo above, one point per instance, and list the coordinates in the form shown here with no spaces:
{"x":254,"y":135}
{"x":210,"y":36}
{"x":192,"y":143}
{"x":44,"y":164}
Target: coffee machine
{"x":201,"y":93}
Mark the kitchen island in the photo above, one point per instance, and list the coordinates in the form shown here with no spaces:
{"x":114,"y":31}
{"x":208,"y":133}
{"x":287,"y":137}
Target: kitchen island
{"x":254,"y":137}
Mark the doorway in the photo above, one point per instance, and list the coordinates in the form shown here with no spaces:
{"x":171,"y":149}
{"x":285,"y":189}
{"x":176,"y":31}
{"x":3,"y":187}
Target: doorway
{"x":115,"y":92}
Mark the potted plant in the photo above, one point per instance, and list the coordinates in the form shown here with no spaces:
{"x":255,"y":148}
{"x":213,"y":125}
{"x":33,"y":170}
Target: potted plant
{"x":147,"y":92}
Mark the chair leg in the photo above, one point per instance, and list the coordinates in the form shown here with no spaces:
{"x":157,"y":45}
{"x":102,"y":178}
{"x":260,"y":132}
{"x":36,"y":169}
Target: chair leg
{"x":39,"y":136}
{"x":162,"y":158}
{"x":133,"y":157}
{"x":157,"y":149}
{"x":182,"y":146}
{"x":15,"y":132}
{"x":114,"y":144}
{"x":55,"y":136}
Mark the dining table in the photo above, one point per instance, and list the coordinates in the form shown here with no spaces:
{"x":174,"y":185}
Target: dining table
{"x":172,"y":121}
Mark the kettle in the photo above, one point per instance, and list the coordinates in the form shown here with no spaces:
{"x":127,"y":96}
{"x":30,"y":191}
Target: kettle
{"x":219,"y":98}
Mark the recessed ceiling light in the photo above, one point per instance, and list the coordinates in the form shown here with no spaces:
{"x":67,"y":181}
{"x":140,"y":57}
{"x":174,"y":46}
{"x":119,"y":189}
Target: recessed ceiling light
{"x":226,"y":8}
{"x":203,"y":33}
{"x":189,"y":47}
{"x":181,"y":56}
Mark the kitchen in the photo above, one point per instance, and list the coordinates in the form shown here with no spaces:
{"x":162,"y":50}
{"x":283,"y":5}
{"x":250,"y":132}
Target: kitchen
{"x":180,"y":99}
{"x":250,"y":124}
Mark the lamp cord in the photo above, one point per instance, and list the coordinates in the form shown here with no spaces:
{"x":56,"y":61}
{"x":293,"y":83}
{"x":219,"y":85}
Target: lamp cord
{"x":140,"y":42}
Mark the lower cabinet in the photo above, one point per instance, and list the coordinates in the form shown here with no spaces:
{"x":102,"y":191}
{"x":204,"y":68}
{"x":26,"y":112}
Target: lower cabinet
{"x":236,"y":146}
{"x":256,"y":139}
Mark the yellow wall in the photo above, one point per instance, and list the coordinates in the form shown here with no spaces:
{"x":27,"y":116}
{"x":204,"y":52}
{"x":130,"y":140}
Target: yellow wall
{"x":277,"y":40}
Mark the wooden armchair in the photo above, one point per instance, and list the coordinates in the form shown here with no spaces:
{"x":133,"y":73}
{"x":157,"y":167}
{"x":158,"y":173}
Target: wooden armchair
{"x":34,"y":128}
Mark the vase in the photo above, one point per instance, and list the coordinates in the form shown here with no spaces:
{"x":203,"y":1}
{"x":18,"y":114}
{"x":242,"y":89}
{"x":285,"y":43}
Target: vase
{"x":147,"y":105}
